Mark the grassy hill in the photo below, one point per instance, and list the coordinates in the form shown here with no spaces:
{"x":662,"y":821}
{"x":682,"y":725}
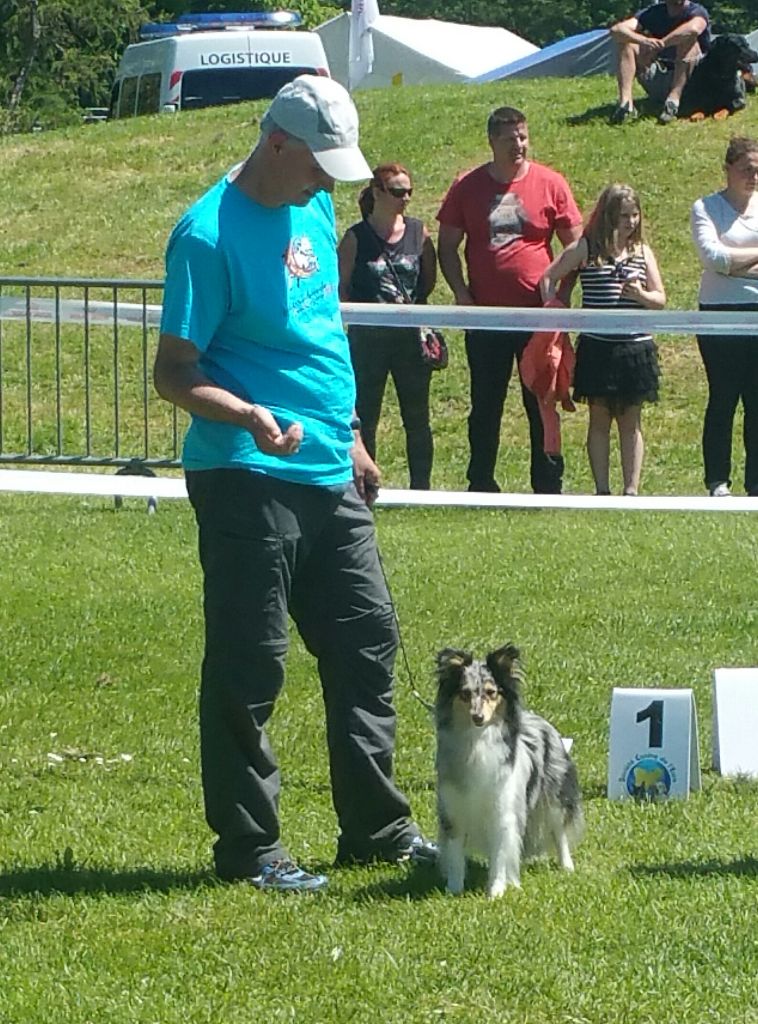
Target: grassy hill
{"x":101,"y":199}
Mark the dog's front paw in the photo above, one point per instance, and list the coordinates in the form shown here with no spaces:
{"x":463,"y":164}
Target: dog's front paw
{"x":697,"y":116}
{"x":721,"y":115}
{"x":497,"y":888}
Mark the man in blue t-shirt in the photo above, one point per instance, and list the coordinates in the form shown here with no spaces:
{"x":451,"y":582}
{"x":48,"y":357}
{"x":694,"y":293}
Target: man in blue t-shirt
{"x":660,"y":45}
{"x":252,"y":345}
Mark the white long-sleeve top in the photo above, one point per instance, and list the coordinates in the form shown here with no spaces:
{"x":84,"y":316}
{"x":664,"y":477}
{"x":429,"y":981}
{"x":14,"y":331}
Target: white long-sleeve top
{"x":715,"y":225}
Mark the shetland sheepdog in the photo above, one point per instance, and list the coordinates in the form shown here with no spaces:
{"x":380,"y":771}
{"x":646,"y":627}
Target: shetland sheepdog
{"x":506,"y":787}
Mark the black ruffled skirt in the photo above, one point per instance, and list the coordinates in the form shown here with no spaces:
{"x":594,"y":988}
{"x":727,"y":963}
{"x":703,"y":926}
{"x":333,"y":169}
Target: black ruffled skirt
{"x":619,"y":373}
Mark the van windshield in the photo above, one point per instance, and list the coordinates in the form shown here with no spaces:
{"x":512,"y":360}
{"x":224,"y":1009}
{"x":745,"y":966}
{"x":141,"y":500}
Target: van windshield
{"x":213,"y":87}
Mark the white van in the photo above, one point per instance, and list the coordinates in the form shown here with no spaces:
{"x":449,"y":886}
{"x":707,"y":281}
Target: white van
{"x":209,"y":60}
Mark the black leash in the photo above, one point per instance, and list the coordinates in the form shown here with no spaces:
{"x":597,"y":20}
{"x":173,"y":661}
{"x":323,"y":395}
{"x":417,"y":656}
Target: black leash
{"x":424,"y":703}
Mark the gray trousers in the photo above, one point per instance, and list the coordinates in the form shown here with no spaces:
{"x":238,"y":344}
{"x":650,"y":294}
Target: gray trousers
{"x":269,"y":548}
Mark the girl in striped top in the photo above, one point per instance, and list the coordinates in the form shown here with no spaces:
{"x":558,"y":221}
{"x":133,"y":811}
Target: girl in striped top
{"x":615,"y":374}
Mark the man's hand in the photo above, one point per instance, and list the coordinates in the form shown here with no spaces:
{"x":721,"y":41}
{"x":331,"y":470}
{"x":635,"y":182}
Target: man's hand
{"x":268,"y":435}
{"x":652,"y":45}
{"x":366,"y":475}
{"x":179,"y":379}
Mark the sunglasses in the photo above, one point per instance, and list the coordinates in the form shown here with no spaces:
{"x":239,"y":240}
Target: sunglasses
{"x":399,"y":192}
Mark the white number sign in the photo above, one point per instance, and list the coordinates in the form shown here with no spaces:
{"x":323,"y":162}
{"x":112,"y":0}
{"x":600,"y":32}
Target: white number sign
{"x":653,"y":752}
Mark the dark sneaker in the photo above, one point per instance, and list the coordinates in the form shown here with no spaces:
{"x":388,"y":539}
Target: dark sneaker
{"x":669,"y":113}
{"x":624,"y":112}
{"x":419,"y":851}
{"x":416,"y":850}
{"x":286,"y":876}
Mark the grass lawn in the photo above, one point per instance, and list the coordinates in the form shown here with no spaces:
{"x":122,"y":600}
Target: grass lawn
{"x":108,"y":908}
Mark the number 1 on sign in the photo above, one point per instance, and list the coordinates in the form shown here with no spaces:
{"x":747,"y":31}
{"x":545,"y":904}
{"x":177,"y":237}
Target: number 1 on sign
{"x":654,"y":712}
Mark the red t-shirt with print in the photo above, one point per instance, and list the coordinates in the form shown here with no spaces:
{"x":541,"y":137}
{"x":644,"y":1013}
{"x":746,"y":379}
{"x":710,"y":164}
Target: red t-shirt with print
{"x":508,"y":228}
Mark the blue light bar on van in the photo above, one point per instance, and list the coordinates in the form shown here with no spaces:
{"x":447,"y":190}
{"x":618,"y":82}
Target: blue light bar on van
{"x":187,"y":23}
{"x":158,"y":30}
{"x":263,"y":19}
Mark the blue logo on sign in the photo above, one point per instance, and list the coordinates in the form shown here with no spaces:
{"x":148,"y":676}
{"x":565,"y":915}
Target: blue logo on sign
{"x":648,"y":778}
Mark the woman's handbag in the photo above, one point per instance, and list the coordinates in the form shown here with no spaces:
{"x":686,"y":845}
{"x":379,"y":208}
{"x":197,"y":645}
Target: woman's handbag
{"x":431,"y":342}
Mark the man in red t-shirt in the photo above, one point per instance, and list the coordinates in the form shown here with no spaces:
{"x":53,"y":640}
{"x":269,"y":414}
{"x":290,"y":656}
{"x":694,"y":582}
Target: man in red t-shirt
{"x":508,"y":211}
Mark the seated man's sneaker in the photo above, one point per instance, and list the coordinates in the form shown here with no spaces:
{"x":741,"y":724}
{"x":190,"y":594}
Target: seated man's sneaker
{"x":669,"y":113}
{"x":286,"y":876}
{"x":623,"y":112}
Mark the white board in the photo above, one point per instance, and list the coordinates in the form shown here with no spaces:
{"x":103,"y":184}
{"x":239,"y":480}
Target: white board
{"x":653,"y":751}
{"x":735,"y":721}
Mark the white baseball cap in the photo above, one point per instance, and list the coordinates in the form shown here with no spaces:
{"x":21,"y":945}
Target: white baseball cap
{"x":318,"y":111}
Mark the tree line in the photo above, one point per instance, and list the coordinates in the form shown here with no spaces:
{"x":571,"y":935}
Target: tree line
{"x":58,"y":56}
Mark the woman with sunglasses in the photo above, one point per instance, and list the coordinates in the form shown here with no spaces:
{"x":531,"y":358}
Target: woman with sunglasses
{"x":388,"y":257}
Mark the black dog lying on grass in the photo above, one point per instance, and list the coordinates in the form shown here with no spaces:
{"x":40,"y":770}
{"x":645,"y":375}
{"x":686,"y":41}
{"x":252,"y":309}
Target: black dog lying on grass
{"x":717,"y":86}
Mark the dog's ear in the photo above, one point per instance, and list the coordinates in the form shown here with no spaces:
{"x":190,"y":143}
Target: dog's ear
{"x":504,"y":662}
{"x":505,"y":667}
{"x":451,"y":661}
{"x":451,"y":664}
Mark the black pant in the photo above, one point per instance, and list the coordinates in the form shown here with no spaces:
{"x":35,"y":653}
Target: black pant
{"x":490,"y":358}
{"x":731,"y":366}
{"x":268,"y":547}
{"x":377,"y":352}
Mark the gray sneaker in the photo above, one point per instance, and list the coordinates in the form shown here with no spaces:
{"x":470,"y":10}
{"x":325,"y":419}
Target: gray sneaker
{"x":624,"y":112}
{"x":419,"y":851}
{"x":286,"y":876}
{"x":669,"y":113}
{"x":720,"y":491}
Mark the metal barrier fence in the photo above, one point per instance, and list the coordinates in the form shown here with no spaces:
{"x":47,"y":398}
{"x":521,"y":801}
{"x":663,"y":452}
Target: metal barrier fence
{"x":76,"y":359}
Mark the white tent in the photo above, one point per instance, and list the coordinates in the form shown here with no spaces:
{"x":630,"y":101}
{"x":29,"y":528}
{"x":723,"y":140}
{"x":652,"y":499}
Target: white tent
{"x":752,"y":38}
{"x":409,"y":51}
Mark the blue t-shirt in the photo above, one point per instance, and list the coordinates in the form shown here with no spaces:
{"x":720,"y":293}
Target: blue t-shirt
{"x":657,"y":22}
{"x":254,"y":288}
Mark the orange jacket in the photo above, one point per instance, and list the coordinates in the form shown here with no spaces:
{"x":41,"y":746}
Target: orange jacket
{"x":547,"y":369}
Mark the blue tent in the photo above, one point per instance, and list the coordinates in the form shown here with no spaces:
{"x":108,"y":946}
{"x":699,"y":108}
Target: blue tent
{"x":589,"y":53}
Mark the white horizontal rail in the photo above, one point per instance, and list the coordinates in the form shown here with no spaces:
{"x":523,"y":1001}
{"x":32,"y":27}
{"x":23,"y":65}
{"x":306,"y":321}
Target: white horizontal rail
{"x":77,"y":311}
{"x":490,"y":318}
{"x":613,"y":321}
{"x":110,"y":485}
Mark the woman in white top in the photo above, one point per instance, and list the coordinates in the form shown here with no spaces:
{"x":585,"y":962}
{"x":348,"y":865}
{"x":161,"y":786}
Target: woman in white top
{"x":725,"y":229}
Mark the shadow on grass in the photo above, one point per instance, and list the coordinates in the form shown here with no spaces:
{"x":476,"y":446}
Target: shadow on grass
{"x":645,"y":110}
{"x":741,"y":867}
{"x":54,"y":879}
{"x":419,"y":884}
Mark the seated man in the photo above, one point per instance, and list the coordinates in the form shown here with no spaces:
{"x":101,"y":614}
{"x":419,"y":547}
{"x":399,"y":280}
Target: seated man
{"x":660,"y":45}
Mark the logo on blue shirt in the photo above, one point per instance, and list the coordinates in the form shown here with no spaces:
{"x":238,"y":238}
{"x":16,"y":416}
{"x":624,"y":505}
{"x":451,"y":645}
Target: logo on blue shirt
{"x":300,"y":259}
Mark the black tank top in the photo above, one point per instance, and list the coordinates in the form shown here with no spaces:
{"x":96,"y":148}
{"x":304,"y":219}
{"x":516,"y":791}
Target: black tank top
{"x":372,"y":280}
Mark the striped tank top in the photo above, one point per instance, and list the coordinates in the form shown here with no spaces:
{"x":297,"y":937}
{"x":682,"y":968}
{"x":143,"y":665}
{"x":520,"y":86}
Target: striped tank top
{"x":601,"y":289}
